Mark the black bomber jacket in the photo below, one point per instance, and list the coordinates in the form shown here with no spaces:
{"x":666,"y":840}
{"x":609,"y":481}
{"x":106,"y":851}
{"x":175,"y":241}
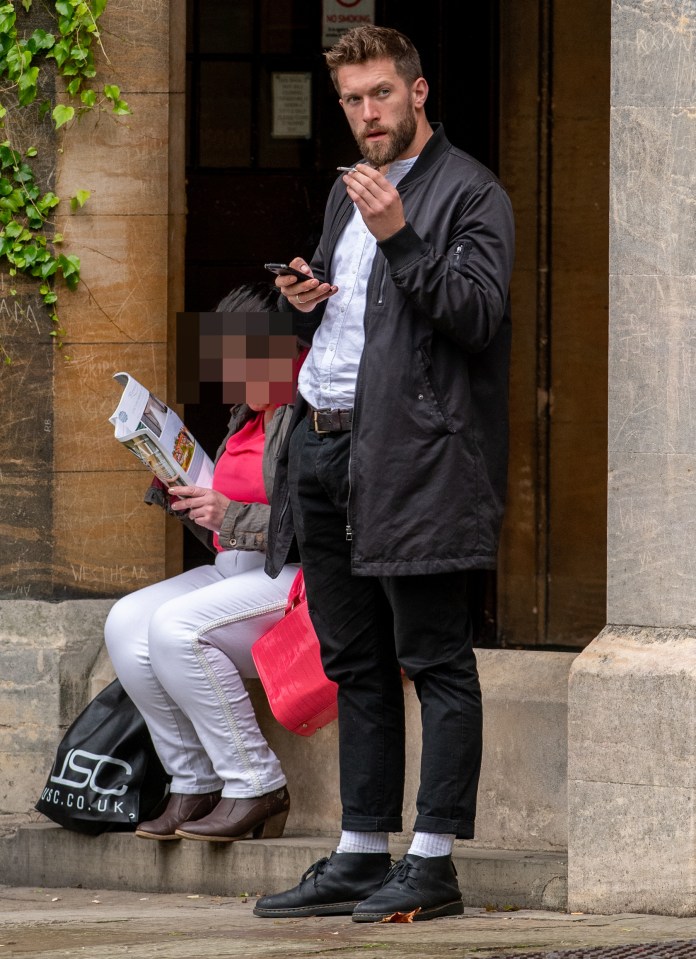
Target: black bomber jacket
{"x":430,"y":424}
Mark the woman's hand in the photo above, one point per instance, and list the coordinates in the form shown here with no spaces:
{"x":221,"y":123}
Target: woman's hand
{"x":206,"y":507}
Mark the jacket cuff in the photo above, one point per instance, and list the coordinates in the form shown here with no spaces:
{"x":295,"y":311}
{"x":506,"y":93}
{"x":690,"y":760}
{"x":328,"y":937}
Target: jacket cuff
{"x":403,"y":248}
{"x":226,"y":533}
{"x":157,"y":496}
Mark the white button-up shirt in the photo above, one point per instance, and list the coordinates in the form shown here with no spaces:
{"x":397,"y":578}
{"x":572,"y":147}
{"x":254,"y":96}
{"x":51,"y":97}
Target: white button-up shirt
{"x":329,"y":373}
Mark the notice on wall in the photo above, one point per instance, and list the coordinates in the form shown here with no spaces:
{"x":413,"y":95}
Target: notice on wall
{"x":342,"y":15}
{"x":292,"y":105}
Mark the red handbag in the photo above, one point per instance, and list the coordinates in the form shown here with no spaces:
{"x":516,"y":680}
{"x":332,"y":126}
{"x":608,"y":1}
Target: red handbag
{"x":289,"y":665}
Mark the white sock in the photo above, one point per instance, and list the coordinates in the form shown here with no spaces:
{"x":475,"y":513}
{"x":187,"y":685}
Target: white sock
{"x":430,"y":844}
{"x":363,"y":842}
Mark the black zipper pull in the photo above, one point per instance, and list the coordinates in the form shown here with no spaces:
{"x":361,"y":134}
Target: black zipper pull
{"x":349,"y":534}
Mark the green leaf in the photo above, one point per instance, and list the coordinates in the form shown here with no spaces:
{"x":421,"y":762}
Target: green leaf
{"x":18,"y":60}
{"x":60,"y":51}
{"x":24,"y":173}
{"x":74,"y":86}
{"x":88,"y":97}
{"x":40,"y":40}
{"x":79,"y":199}
{"x":98,"y":7}
{"x":57,"y":237}
{"x":62,"y":114}
{"x":112,"y":92}
{"x":5,"y":186}
{"x":30,"y":254}
{"x":48,"y":268}
{"x":69,"y":265}
{"x":14,"y":201}
{"x":31,"y":152}
{"x":47,"y":202}
{"x":7,"y":18}
{"x":121,"y":108}
{"x":13,"y":229}
{"x":7,"y":156}
{"x":44,"y":108}
{"x":27,"y":86}
{"x":27,"y":5}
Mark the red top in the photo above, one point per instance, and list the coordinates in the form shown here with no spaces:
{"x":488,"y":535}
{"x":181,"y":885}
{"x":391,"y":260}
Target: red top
{"x":238,"y":473}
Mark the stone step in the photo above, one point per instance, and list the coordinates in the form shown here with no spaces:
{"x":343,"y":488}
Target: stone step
{"x":43,"y":854}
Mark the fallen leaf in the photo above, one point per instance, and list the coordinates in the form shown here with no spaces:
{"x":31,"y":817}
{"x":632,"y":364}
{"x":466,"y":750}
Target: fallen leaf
{"x":401,"y":916}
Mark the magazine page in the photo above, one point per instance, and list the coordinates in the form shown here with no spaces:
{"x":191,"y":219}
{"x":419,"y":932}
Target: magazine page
{"x":156,"y":435}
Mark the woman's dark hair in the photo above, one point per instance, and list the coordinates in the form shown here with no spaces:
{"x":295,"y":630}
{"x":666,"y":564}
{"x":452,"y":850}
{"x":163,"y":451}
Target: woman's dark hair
{"x":250,"y":298}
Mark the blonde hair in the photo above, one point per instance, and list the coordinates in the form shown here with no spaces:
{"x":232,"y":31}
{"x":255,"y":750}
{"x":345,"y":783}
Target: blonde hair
{"x":374,"y":43}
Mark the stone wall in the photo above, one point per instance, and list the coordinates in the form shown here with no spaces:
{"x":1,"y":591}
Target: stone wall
{"x":73,"y":524}
{"x":55,"y":661}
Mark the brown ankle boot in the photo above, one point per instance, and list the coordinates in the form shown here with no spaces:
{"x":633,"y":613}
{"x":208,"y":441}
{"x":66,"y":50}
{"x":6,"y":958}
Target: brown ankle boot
{"x":263,"y":818}
{"x":181,"y":807}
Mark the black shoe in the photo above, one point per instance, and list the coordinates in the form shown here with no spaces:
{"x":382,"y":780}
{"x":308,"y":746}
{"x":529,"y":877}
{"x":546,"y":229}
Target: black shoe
{"x":428,"y":888}
{"x":330,"y":887}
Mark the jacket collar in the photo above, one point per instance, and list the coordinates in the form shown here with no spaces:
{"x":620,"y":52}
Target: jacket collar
{"x":436,"y":146}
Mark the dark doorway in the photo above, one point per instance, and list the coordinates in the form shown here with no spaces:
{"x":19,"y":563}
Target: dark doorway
{"x":254,"y":198}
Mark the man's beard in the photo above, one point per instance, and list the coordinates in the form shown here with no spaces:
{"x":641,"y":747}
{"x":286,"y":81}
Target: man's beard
{"x":400,"y":138}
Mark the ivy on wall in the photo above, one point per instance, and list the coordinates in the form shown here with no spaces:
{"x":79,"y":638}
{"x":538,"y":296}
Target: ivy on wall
{"x":28,"y":241}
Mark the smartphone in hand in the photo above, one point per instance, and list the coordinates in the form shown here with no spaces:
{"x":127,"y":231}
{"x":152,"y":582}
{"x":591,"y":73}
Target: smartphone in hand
{"x":282,"y":269}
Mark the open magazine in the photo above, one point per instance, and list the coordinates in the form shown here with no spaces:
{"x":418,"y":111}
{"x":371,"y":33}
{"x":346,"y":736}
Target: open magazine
{"x":156,"y":435}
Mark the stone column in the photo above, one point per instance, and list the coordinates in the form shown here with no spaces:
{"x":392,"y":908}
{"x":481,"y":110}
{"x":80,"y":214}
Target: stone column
{"x":74,"y":532}
{"x":632,"y":724}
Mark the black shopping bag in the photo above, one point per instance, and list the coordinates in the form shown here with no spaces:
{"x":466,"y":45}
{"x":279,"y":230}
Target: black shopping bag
{"x":106,"y":774}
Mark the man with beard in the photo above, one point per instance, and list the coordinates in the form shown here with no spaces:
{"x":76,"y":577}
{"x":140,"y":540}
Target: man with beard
{"x":393,"y":479}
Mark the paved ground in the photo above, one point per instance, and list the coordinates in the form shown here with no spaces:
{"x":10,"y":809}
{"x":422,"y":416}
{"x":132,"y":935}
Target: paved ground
{"x":48,"y":923}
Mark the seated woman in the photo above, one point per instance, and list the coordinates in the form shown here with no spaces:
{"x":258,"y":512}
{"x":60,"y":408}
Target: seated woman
{"x":181,"y":648}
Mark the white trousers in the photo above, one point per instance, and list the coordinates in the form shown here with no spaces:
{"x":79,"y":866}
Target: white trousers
{"x":181,"y":649}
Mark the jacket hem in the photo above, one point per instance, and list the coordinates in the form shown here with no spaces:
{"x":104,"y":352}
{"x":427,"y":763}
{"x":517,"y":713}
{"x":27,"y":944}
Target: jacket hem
{"x":422,"y":567}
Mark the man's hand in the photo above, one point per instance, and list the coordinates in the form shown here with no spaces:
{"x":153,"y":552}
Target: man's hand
{"x":378,"y":201}
{"x":206,"y":507}
{"x":304,"y":296}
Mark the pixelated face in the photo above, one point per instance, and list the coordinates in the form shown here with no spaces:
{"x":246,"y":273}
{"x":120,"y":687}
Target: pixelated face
{"x":236,"y":358}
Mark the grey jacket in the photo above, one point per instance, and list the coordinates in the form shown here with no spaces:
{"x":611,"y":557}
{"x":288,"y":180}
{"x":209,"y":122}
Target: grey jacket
{"x":245,"y":525}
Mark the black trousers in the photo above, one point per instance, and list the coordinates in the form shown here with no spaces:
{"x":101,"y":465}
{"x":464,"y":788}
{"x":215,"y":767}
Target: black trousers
{"x":369,"y":629}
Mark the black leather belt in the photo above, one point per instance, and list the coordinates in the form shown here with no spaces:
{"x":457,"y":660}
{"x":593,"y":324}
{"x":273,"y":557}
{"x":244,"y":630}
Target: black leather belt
{"x":329,"y":421}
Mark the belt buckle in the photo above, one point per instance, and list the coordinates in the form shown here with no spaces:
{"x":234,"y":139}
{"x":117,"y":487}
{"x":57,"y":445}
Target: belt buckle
{"x":315,"y":421}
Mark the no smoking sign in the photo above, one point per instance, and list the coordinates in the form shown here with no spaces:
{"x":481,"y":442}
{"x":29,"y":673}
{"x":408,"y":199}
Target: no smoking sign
{"x":342,"y":15}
